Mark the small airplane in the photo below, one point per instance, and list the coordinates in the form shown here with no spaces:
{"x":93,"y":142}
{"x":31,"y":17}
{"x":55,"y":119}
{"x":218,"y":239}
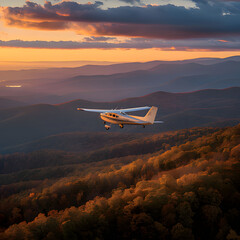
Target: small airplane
{"x":119,"y":116}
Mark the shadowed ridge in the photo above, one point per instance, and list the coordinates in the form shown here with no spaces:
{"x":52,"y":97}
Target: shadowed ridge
{"x":177,"y":110}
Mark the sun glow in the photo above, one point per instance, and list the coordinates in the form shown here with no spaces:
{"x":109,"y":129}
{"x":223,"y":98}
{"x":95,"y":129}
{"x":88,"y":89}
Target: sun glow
{"x":13,"y":86}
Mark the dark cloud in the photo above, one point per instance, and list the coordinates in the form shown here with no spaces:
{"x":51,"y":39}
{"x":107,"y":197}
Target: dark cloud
{"x":133,"y":2}
{"x":136,"y":43}
{"x":207,"y":20}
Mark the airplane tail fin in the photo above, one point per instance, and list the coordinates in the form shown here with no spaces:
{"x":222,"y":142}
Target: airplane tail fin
{"x":151,"y":114}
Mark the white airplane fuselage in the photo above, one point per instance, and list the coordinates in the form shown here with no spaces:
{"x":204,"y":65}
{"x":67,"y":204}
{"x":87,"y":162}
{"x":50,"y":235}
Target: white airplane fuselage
{"x":122,"y":118}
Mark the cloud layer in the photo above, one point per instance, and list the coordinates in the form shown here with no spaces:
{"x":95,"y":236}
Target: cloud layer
{"x":181,"y":45}
{"x":209,"y":19}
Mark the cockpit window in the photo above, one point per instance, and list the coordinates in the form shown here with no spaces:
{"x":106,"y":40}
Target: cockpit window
{"x":112,"y":115}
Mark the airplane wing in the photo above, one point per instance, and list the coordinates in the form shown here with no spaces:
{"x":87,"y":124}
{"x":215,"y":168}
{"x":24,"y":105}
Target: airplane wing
{"x":114,"y":110}
{"x":134,"y":109}
{"x":93,"y":110}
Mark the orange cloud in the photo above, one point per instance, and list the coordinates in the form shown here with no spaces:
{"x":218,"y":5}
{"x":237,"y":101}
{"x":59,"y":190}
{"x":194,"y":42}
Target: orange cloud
{"x":223,"y":41}
{"x":150,"y":21}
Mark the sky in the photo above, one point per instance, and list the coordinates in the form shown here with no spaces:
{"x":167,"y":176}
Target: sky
{"x":118,"y":30}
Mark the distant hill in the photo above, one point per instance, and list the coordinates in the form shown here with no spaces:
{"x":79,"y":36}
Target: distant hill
{"x":100,"y":69}
{"x":9,"y":103}
{"x":171,"y":77}
{"x":116,"y":81}
{"x":54,"y":73}
{"x":177,"y":110}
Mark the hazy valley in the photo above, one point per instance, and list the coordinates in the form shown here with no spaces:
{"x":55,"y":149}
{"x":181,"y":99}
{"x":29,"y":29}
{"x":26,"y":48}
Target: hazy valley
{"x":117,"y":81}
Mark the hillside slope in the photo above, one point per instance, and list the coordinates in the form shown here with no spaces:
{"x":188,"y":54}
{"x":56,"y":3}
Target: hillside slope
{"x":74,"y":148}
{"x":169,"y":194}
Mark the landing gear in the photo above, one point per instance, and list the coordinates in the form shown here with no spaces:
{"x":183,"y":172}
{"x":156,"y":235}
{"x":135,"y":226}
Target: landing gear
{"x":104,"y":122}
{"x":143,"y":126}
{"x":121,"y":125}
{"x":107,"y":127}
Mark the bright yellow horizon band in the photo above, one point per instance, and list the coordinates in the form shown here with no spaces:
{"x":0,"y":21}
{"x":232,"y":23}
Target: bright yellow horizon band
{"x":111,"y":55}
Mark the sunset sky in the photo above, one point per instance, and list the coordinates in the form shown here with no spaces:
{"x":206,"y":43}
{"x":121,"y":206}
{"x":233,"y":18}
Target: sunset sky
{"x":118,"y":30}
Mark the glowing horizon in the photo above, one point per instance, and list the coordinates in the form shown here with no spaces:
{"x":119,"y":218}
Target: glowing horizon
{"x":123,"y":55}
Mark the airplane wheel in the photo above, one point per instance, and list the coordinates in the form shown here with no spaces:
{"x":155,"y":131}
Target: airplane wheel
{"x":107,"y":127}
{"x":143,"y":126}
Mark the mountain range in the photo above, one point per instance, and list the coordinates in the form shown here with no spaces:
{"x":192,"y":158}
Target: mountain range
{"x":118,"y":81}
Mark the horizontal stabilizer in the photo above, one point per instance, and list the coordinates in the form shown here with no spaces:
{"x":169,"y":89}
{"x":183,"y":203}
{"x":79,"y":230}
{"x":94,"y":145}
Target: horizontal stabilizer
{"x":158,"y":121}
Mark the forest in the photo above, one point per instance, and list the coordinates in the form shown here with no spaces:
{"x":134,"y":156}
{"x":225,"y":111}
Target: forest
{"x":177,"y":185}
